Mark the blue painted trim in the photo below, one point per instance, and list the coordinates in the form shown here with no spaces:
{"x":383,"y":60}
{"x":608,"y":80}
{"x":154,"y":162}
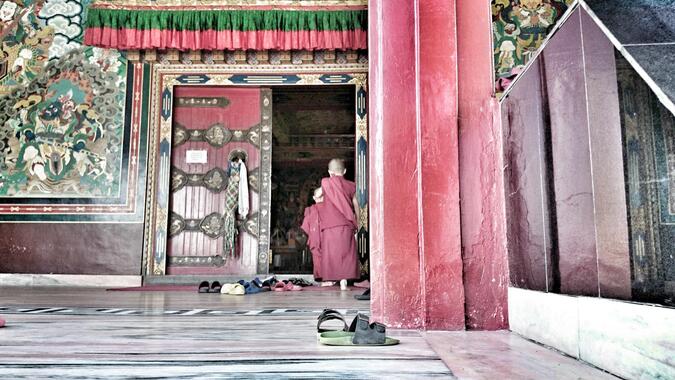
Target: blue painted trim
{"x":362,"y":182}
{"x":264,"y":79}
{"x":193,"y":79}
{"x":166,"y":104}
{"x":335,"y":78}
{"x":362,"y":103}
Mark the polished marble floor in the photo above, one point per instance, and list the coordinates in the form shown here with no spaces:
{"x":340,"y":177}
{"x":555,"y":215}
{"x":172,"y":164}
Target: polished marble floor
{"x":58,"y":333}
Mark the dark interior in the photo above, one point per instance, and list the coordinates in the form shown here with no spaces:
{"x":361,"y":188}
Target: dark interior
{"x":312,"y":125}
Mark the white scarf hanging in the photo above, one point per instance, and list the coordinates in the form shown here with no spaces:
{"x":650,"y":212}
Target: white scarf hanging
{"x":243,"y":191}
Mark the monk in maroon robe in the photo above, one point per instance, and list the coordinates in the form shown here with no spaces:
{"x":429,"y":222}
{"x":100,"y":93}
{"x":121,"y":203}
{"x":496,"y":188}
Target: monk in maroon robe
{"x":311,"y":224}
{"x":339,"y":260}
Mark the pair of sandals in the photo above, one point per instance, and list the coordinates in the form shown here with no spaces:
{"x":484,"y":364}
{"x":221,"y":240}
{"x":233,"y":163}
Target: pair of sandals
{"x":235,"y":289}
{"x":287,"y":286}
{"x":361,"y":332}
{"x":209,"y":287}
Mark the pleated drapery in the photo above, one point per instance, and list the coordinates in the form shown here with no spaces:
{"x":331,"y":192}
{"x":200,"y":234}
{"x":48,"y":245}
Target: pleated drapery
{"x":230,"y":29}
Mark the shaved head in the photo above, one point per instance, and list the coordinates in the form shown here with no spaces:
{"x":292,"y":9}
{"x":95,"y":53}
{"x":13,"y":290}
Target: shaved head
{"x":336,"y":166}
{"x":318,"y":195}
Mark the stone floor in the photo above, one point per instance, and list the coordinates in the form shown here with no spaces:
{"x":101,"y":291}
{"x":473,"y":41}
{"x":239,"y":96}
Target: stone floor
{"x":59,"y":333}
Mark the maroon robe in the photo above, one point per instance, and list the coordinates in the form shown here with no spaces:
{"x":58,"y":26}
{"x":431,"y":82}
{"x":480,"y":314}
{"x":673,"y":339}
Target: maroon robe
{"x":311,"y":224}
{"x":339,"y":259}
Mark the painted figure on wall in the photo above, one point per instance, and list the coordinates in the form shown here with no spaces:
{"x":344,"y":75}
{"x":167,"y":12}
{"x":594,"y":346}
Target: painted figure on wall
{"x":520,"y":27}
{"x":33,"y":32}
{"x":8,"y":10}
{"x":23,"y":44}
{"x":62,"y":134}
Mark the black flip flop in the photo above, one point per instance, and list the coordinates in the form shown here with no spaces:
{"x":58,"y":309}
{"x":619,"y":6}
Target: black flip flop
{"x":330,"y":315}
{"x":204,"y":287}
{"x":363,"y":297}
{"x":215,"y":287}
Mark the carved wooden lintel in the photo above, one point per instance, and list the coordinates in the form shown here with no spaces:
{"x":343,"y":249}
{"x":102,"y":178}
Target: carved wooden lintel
{"x":250,"y":57}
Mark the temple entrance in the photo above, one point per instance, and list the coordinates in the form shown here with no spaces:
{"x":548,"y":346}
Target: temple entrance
{"x":216,"y":142}
{"x":312,"y":125}
{"x":207,"y":123}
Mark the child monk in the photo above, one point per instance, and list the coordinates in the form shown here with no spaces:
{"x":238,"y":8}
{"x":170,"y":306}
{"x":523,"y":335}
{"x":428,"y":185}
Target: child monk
{"x":339,"y":260}
{"x":311,"y":224}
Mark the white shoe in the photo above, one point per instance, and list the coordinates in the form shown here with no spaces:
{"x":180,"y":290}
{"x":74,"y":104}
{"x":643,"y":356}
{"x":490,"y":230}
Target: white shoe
{"x":343,"y":285}
{"x":328,"y":283}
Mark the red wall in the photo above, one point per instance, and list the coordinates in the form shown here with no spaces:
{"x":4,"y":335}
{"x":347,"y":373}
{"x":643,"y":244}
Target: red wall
{"x":71,"y":248}
{"x":481,"y":177}
{"x":415,"y":232}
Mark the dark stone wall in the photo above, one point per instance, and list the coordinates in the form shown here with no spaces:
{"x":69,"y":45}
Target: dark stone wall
{"x":71,"y":248}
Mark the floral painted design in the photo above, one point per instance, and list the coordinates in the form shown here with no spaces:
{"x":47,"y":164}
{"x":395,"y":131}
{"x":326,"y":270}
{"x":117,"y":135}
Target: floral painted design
{"x":32,"y":32}
{"x":63,"y":133}
{"x":24,"y":44}
{"x":520,"y":27}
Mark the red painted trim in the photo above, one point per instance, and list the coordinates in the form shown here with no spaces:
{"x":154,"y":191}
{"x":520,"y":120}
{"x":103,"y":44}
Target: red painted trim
{"x":225,"y":40}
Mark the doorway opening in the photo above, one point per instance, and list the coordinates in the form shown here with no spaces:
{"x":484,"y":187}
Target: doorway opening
{"x":194,"y":226}
{"x":312,"y":125}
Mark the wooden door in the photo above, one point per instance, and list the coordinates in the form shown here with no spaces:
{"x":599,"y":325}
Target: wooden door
{"x":210,"y":126}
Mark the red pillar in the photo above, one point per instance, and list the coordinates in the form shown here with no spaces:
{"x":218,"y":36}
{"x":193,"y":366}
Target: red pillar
{"x":414,"y":206}
{"x":482,"y":188}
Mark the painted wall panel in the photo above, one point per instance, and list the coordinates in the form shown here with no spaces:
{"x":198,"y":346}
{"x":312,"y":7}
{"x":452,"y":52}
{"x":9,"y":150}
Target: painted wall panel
{"x":520,"y":27}
{"x":72,"y":147}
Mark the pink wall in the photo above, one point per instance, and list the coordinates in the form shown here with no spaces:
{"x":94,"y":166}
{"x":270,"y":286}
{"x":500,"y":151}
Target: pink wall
{"x":415,"y":232}
{"x":482,"y":190}
{"x":526,"y":181}
{"x":574,"y":82}
{"x":611,"y":214}
{"x":572,"y":179}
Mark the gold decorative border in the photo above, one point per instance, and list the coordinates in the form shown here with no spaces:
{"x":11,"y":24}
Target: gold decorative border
{"x":165,"y":78}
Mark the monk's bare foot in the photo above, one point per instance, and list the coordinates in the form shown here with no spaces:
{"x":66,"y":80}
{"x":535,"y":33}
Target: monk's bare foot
{"x":328,"y":283}
{"x":343,"y":284}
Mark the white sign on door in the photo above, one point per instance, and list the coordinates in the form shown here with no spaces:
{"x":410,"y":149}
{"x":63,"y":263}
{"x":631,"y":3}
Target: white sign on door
{"x":196,"y":157}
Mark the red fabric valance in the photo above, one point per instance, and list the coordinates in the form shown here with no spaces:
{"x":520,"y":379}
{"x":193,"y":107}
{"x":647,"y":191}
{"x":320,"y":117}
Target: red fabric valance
{"x":232,"y":28}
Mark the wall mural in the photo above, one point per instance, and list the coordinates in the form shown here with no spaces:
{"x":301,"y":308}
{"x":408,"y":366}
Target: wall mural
{"x":649,"y":146}
{"x":520,"y":27}
{"x":33,"y":32}
{"x":63,"y":135}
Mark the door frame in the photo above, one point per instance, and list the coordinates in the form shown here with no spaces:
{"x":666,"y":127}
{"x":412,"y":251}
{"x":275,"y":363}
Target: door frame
{"x":165,"y":77}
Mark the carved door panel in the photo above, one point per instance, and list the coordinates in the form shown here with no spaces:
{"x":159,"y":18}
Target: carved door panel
{"x":210,"y":126}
